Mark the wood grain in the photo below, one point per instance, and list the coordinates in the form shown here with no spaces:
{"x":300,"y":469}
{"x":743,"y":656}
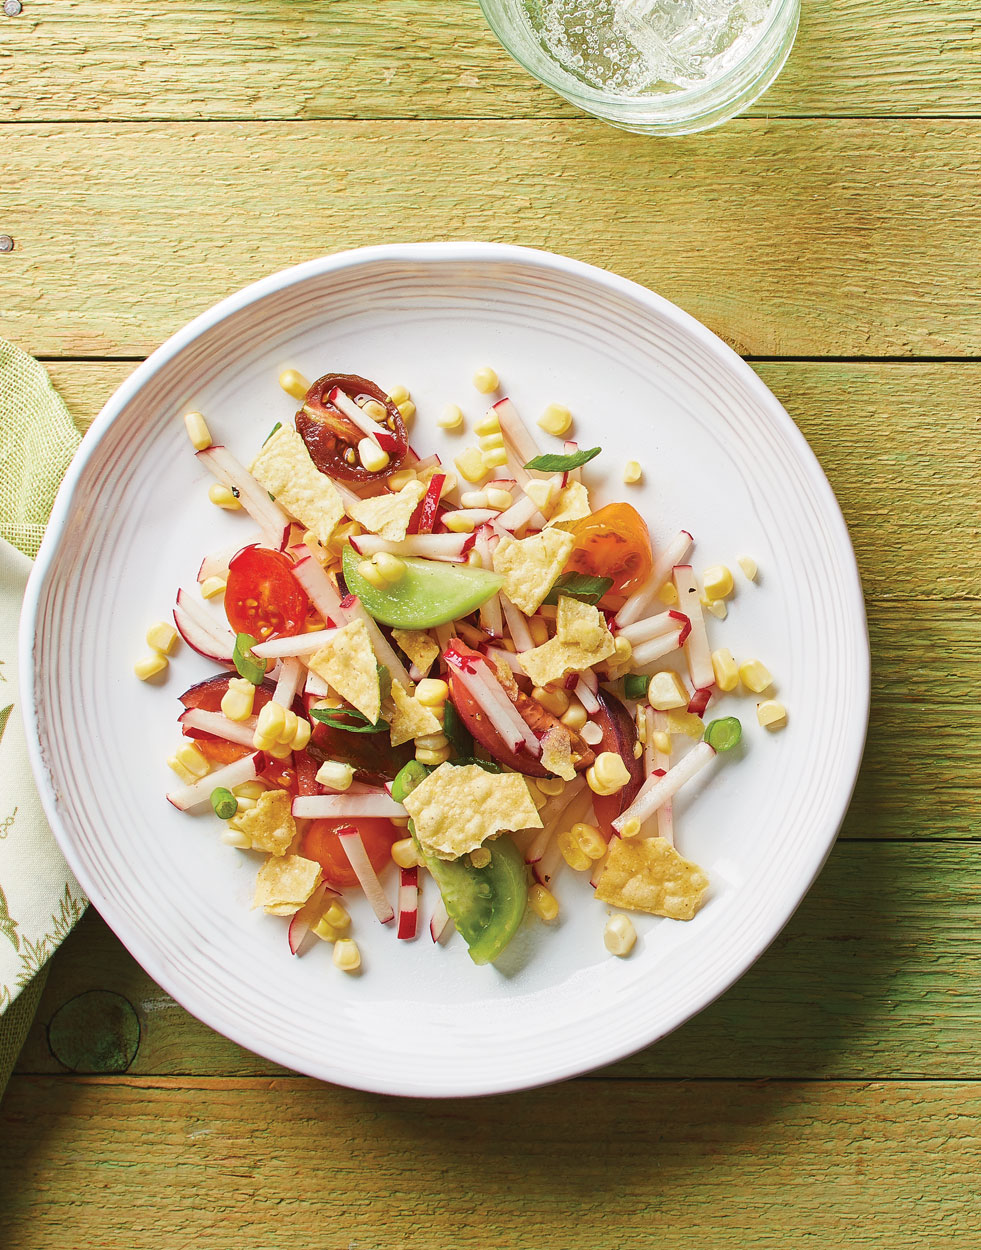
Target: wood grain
{"x":106,"y":60}
{"x":868,"y":249}
{"x":286,"y":1163}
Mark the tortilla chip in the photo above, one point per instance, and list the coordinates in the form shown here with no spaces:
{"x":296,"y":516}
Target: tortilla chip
{"x":283,"y":466}
{"x":419,"y":646}
{"x":284,"y":883}
{"x":530,"y":566}
{"x":270,"y":823}
{"x":347,"y":664}
{"x":458,"y":807}
{"x":409,"y":718}
{"x":389,"y":515}
{"x":582,"y":640}
{"x":648,"y":874}
{"x":580,"y":623}
{"x":572,"y":505}
{"x":557,"y":753}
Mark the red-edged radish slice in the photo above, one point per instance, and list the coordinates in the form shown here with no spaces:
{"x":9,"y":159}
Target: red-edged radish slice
{"x":216,"y":564}
{"x":647,"y":652}
{"x":483,"y":685}
{"x":651,"y":627}
{"x":295,"y":645}
{"x":201,"y":631}
{"x":354,"y":412}
{"x":303,"y":921}
{"x":253,"y":497}
{"x":321,"y":591}
{"x":495,"y":654}
{"x":546,"y":868}
{"x":658,"y":790}
{"x":232,"y":775}
{"x":440,"y":924}
{"x":426,"y":546}
{"x":524,"y":511}
{"x":426,"y":514}
{"x":658,"y":762}
{"x":349,"y":805}
{"x":219,"y":726}
{"x":427,"y":462}
{"x":586,"y":696}
{"x":643,"y":597}
{"x":700,"y":700}
{"x":408,"y":903}
{"x":288,"y":681}
{"x":517,"y":624}
{"x":357,"y":856}
{"x":697,"y":651}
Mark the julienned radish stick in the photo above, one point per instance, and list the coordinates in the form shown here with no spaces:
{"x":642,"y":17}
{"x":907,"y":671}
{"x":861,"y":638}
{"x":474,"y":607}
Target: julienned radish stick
{"x":298,"y":644}
{"x":234,"y":774}
{"x":322,"y":592}
{"x":451,"y":547}
{"x":357,"y":856}
{"x":408,"y":903}
{"x":240,"y":732}
{"x":304,"y":920}
{"x":440,"y":923}
{"x":652,"y":627}
{"x":697,"y":651}
{"x":290,"y":678}
{"x":253,"y":497}
{"x":657,"y":722}
{"x":647,"y":652}
{"x":346,"y":806}
{"x":517,"y":624}
{"x":642,"y":598}
{"x":658,"y":790}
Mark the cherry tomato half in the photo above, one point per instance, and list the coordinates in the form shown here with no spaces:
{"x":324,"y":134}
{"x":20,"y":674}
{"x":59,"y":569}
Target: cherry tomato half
{"x":262,"y":597}
{"x":613,"y":542}
{"x":619,"y":735}
{"x":332,"y":438}
{"x":322,"y":844}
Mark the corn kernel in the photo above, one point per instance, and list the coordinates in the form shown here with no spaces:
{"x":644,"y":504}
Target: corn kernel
{"x":238,"y":699}
{"x":458,"y":522}
{"x":470,"y":464}
{"x":717,"y":607}
{"x":619,"y":936}
{"x":608,"y":774}
{"x":398,"y":395}
{"x":326,"y":931}
{"x":162,"y":637}
{"x":540,"y":490}
{"x":432,"y":742}
{"x":375,"y":410}
{"x":748,"y":566}
{"x":279,"y":750}
{"x":661,"y":742}
{"x":451,"y":418}
{"x":500,"y":499}
{"x":193,"y":759}
{"x":449,"y":484}
{"x":575,"y":716}
{"x":591,"y":841}
{"x":150,"y":666}
{"x":638,"y":749}
{"x":556,"y":419}
{"x":262,"y":743}
{"x":235,"y":837}
{"x":724,"y":667}
{"x":474,"y":499}
{"x":495,"y":458}
{"x":402,"y":478}
{"x":185,"y":776}
{"x":407,"y":409}
{"x":302,"y":736}
{"x":244,"y":805}
{"x":666,"y":690}
{"x":630,"y":828}
{"x":486,"y":380}
{"x":771,"y":714}
{"x":717,"y":582}
{"x":632,"y":472}
{"x":212,"y":587}
{"x":337,"y":917}
{"x":668,"y":594}
{"x":475,"y":559}
{"x":249,"y":790}
{"x":543,"y":902}
{"x":480,"y":858}
{"x":390,"y":566}
{"x":294,"y":383}
{"x":404,"y":853}
{"x":372,"y":574}
{"x":371,"y":456}
{"x":271,"y":722}
{"x":591,"y":733}
{"x":335,"y":775}
{"x":224,"y":497}
{"x":538,"y":630}
{"x":489,"y":423}
{"x":554,"y":701}
{"x":197,"y":430}
{"x":623,"y":648}
{"x":290,"y":723}
{"x":432,"y":692}
{"x":550,"y":785}
{"x":572,"y":852}
{"x":347,"y":956}
{"x":433,"y":758}
{"x":755,"y":676}
{"x":490,"y":442}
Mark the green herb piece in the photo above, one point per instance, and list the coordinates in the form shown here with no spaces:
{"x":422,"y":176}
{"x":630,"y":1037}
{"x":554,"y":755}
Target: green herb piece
{"x":249,"y":666}
{"x":489,"y":766}
{"x":348,"y":718}
{"x":407,"y":778}
{"x":461,"y":741}
{"x":277,"y":426}
{"x":723,"y":734}
{"x":224,"y":803}
{"x":635,"y":685}
{"x":579,"y":586}
{"x":551,"y":462}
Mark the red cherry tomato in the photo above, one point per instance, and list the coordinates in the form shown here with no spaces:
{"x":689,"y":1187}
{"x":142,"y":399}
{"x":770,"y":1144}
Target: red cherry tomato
{"x":332,"y":438}
{"x":613,"y":542}
{"x":321,"y":843}
{"x":262,"y":597}
{"x":619,"y":735}
{"x":372,"y":756}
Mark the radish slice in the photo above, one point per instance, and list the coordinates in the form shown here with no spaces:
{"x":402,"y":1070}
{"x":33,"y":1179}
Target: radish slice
{"x":201,"y":631}
{"x":354,"y":412}
{"x":548,"y":865}
{"x":501,"y":483}
{"x":491,"y":613}
{"x":440,"y":923}
{"x":216,"y":565}
{"x":658,"y":790}
{"x":321,"y":591}
{"x":303,"y":921}
{"x":232,"y":775}
{"x":357,"y":856}
{"x":408,"y":902}
{"x":288,"y":682}
{"x":523,"y":511}
{"x":379,"y":643}
{"x":700,"y":701}
{"x":373,"y":804}
{"x":697,"y":651}
{"x":515,"y":431}
{"x":586,"y":697}
{"x":651,"y":627}
{"x":288,"y":648}
{"x":495,"y":654}
{"x":427,"y":462}
{"x":517,"y":624}
{"x":643,"y":596}
{"x":484,"y":686}
{"x":253,"y":497}
{"x":647,"y":652}
{"x":220,"y":726}
{"x":657,"y":722}
{"x":427,"y":546}
{"x":315,"y":686}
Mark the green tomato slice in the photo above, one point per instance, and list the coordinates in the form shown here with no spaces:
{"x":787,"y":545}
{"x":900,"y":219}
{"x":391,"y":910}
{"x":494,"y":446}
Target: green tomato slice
{"x":432,"y":592}
{"x":486,"y":904}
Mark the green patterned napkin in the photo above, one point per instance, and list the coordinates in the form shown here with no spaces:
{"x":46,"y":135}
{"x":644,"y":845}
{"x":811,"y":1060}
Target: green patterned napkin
{"x":40,"y":900}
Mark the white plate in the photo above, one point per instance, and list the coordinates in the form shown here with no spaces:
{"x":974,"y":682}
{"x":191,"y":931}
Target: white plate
{"x":721,"y":458}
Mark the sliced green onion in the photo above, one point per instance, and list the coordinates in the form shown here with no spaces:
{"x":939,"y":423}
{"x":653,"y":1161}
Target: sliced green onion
{"x":407,"y":778}
{"x":723,"y":734}
{"x":635,"y":685}
{"x":224,"y":803}
{"x":581,"y":586}
{"x":249,"y":666}
{"x":276,"y":427}
{"x":552,"y":462}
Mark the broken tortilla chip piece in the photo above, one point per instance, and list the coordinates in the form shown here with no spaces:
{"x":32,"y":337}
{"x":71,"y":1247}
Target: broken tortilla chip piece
{"x":557,"y":753}
{"x":270,"y":823}
{"x":421,"y":649}
{"x":283,"y":466}
{"x":530,"y":566}
{"x":560,"y":655}
{"x":458,"y":807}
{"x":572,"y":505}
{"x":389,"y":515}
{"x":410,"y":719}
{"x":648,"y":874}
{"x":347,"y":664}
{"x":284,"y":883}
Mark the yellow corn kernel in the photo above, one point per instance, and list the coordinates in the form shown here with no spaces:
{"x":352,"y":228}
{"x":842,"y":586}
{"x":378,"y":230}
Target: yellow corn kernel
{"x":475,"y":559}
{"x":630,"y":828}
{"x":556,"y":419}
{"x":244,"y":805}
{"x":238,"y":699}
{"x":347,"y":956}
{"x":375,"y":410}
{"x":326,"y":931}
{"x":342,"y":535}
{"x":495,"y":458}
{"x":290,"y":724}
{"x":662,"y":742}
{"x":404,"y":853}
{"x":407,"y":409}
{"x":197,"y":430}
{"x":591,"y":841}
{"x":262,"y":743}
{"x":540,"y":490}
{"x":279,"y":750}
{"x":451,"y":417}
{"x":755,"y":676}
{"x":337,"y":917}
{"x":486,"y":380}
{"x":398,"y":395}
{"x":666,"y":690}
{"x":432,"y":742}
{"x":717,"y":607}
{"x":433,"y":758}
{"x":185,"y":776}
{"x":272,"y":721}
{"x":748,"y":566}
{"x":162,"y":637}
{"x":372,"y":574}
{"x":480,"y":858}
{"x":249,"y":790}
{"x":302,"y":736}
{"x":212,"y":587}
{"x":724,"y":667}
{"x":335,"y":775}
{"x":458,"y":522}
{"x":771,"y":714}
{"x":623,"y":649}
{"x":550,"y":785}
{"x":543,"y":902}
{"x":538,"y":629}
{"x":150,"y":666}
{"x":371,"y":456}
{"x":668,"y":594}
{"x":193,"y":759}
{"x":574,"y":717}
{"x":608,"y":774}
{"x":632,"y":472}
{"x":638,"y":749}
{"x":490,"y":442}
{"x":449,"y":485}
{"x":470,"y":464}
{"x":488,"y":423}
{"x":554,"y":701}
{"x":500,"y":499}
{"x":402,"y":478}
{"x":473,"y":499}
{"x":235,"y":837}
{"x":619,"y":936}
{"x":572,"y":852}
{"x":717,"y":582}
{"x":390,"y":566}
{"x":294,"y":383}
{"x":223,"y":497}
{"x":432,"y":692}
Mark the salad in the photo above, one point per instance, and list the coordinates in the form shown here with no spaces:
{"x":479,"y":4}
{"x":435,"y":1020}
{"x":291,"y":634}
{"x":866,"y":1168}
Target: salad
{"x":448,"y":682}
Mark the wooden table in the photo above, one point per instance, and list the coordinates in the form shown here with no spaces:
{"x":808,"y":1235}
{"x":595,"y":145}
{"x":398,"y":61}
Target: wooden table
{"x":158,"y":156}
